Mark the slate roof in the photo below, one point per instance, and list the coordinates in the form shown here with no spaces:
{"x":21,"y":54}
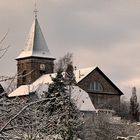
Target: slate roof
{"x":79,"y":76}
{"x":36,"y":45}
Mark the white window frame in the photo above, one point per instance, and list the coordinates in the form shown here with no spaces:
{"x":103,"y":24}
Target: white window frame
{"x":95,"y":86}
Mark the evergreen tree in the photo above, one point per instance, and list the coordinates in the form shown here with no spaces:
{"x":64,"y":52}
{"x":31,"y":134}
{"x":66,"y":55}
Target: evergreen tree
{"x":64,"y":115}
{"x":53,"y":115}
{"x":58,"y":85}
{"x":63,"y":62}
{"x":134,"y":106}
{"x":69,"y":75}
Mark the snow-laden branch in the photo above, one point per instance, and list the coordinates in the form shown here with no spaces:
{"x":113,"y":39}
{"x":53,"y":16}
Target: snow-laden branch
{"x":17,"y":114}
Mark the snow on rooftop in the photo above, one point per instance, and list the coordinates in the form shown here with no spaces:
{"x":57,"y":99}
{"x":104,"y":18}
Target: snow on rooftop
{"x":25,"y":89}
{"x":82,"y":73}
{"x":81,"y":98}
{"x":20,"y":91}
{"x":35,"y":45}
{"x":79,"y":75}
{"x":46,"y":79}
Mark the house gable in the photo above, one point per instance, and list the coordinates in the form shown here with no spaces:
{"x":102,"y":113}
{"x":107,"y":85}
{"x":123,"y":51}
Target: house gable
{"x":96,"y":75}
{"x":102,"y":91}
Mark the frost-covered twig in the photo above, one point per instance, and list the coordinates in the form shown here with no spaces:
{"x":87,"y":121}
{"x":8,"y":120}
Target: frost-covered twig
{"x":18,"y":113}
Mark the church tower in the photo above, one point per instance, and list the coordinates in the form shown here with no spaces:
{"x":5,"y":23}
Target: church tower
{"x":35,"y":59}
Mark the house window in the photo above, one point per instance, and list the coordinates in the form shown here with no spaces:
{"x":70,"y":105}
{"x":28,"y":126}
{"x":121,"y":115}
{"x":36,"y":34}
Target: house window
{"x":96,"y":86}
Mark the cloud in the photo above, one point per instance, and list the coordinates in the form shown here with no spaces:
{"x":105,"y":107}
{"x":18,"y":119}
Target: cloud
{"x":103,"y":33}
{"x":96,"y":24}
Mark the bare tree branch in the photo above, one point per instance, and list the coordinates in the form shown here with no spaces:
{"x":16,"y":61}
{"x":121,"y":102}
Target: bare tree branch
{"x":18,"y":113}
{"x":4,"y":37}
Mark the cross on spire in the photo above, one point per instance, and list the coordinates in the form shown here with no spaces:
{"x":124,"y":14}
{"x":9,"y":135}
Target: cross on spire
{"x":35,"y":10}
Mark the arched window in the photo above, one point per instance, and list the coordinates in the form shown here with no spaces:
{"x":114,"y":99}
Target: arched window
{"x":24,"y":77}
{"x":96,"y":86}
{"x":42,"y":69}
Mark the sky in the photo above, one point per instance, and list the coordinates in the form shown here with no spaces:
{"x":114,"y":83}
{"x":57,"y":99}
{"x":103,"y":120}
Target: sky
{"x":103,"y":33}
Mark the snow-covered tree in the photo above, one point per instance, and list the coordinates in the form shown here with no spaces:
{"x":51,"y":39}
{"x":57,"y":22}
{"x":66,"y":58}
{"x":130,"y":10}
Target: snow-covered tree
{"x":63,"y":62}
{"x":69,"y":75}
{"x":63,"y":111}
{"x":134,"y":105}
{"x":32,"y":118}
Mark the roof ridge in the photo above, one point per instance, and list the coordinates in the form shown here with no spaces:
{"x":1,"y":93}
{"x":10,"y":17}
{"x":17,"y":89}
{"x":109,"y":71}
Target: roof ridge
{"x":92,"y":67}
{"x":34,"y":34}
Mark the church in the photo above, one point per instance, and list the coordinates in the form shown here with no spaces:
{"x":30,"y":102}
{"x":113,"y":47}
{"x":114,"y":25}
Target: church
{"x":35,"y":65}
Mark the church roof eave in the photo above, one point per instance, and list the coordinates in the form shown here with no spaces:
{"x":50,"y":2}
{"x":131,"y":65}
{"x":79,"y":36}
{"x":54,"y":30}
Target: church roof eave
{"x":39,"y":57}
{"x":28,"y":55}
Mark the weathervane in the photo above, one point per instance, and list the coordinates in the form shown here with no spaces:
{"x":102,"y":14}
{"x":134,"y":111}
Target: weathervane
{"x":35,"y":10}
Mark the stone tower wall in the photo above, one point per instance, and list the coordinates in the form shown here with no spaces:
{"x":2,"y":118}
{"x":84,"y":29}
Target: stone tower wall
{"x":29,"y":69}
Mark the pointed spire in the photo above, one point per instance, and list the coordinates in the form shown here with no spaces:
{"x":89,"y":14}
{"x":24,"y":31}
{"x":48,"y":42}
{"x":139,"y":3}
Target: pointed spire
{"x":36,"y":45}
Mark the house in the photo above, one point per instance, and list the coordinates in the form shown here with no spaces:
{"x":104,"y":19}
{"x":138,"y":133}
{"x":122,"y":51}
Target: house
{"x":102,"y":91}
{"x":36,"y":62}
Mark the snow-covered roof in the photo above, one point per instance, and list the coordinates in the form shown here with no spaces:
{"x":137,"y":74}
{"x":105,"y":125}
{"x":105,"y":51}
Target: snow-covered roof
{"x":79,"y":75}
{"x":81,"y":98}
{"x":21,"y":91}
{"x":82,"y":73}
{"x":24,"y":90}
{"x":36,"y":45}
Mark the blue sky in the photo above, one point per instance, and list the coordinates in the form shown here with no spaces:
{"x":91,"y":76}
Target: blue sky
{"x":105,"y":33}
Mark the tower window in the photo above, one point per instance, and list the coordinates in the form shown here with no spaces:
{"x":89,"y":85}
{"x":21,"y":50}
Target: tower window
{"x":42,"y":69}
{"x":96,"y":86}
